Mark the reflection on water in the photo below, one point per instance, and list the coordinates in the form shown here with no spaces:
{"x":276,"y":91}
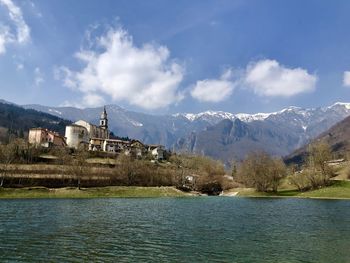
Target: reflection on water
{"x":208,"y":229}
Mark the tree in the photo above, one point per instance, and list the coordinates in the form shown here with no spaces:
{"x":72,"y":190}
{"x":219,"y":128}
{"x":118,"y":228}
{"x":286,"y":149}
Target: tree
{"x":261,"y":171}
{"x":63,"y":155}
{"x":319,"y":154}
{"x":79,"y":165}
{"x":7,"y":156}
{"x":234,"y":169}
{"x":316,"y":172}
{"x":127,"y":168}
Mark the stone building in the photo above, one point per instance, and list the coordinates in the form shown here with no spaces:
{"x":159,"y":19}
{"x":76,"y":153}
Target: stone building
{"x":87,"y":134}
{"x":157,"y":151}
{"x":45,"y":138}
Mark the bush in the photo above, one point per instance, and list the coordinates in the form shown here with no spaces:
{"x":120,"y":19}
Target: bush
{"x":300,"y":180}
{"x":200,"y":164}
{"x":211,"y":188}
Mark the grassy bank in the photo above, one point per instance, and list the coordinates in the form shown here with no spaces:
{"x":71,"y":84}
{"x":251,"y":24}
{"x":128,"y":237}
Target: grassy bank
{"x":338,"y":190}
{"x":111,"y":191}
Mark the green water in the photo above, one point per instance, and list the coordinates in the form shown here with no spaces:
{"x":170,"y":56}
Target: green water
{"x":208,"y":229}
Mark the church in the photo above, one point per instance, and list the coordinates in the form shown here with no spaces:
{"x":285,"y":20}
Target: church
{"x":82,"y":133}
{"x":97,"y":138}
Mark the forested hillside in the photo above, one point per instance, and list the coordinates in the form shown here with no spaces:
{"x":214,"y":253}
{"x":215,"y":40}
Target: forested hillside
{"x":16,"y":121}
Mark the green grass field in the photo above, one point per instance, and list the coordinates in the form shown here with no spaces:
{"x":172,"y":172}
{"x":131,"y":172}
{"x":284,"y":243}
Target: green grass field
{"x":338,"y":190}
{"x":111,"y":191}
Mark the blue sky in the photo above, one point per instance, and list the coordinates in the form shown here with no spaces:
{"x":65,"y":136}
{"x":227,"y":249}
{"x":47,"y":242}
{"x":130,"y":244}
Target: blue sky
{"x":176,"y":56}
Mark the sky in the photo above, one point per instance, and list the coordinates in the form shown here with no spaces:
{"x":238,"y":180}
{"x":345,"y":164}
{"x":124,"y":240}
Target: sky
{"x":164,"y":56}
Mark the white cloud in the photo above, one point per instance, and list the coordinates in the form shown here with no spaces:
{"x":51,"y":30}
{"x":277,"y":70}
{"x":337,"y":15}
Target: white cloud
{"x":38,"y":77}
{"x":269,"y":78}
{"x":214,"y":90}
{"x":17,"y":31}
{"x":346,"y":79}
{"x":118,"y":69}
{"x":91,"y":100}
{"x":88,"y":100}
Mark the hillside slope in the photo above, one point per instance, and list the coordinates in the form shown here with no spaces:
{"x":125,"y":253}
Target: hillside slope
{"x":337,"y":137}
{"x":17,"y":121}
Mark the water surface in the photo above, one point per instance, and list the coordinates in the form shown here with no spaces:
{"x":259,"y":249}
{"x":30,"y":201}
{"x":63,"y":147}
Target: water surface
{"x":208,"y":229}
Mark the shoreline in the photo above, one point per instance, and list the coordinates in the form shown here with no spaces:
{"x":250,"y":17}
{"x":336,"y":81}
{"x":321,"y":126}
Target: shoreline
{"x":295,"y":197}
{"x":141,"y":192}
{"x":92,"y":192}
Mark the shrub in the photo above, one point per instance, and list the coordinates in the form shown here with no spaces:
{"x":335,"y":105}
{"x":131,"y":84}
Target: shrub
{"x":300,"y":180}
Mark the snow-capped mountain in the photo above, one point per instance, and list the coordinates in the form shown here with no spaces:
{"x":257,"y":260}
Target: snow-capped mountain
{"x":216,"y":116}
{"x":304,"y":115}
{"x":279,"y":132}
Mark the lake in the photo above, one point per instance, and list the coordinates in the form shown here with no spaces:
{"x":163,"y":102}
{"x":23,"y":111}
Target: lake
{"x":199,"y":229}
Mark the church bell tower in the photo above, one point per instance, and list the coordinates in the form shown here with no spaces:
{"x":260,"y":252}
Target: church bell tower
{"x":104,"y":119}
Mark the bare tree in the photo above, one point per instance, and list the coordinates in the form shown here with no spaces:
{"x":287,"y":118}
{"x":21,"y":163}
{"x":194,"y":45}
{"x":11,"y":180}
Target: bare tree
{"x":316,"y":172}
{"x":319,"y":154}
{"x":126,"y":167}
{"x":261,"y":171}
{"x":79,"y":165}
{"x":7,"y":157}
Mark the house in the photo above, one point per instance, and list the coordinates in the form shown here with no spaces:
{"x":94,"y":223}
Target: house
{"x":335,"y":162}
{"x":157,"y":151}
{"x":138,"y":149}
{"x":115,"y":145}
{"x":96,"y":144}
{"x":46,"y":138}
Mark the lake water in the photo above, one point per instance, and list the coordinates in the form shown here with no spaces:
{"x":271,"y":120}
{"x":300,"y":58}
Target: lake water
{"x":201,"y":229}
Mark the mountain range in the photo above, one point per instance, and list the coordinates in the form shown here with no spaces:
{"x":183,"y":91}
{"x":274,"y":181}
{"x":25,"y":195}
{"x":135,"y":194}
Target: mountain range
{"x":221,"y":135}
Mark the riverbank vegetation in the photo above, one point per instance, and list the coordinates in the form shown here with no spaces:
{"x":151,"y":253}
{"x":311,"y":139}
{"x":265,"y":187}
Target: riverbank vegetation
{"x":25,"y":168}
{"x":336,"y":190}
{"x":318,"y":177}
{"x":22,"y":165}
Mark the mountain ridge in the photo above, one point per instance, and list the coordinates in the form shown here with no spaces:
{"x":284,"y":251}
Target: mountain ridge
{"x":337,"y":137}
{"x":16,"y":121}
{"x":279,"y":132}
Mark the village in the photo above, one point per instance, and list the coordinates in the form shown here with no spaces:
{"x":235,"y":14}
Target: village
{"x":89,"y":137}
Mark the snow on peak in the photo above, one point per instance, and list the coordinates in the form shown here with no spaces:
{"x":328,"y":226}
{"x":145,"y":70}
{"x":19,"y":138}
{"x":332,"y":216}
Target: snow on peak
{"x":206,"y":115}
{"x":344,"y":104}
{"x":55,"y":111}
{"x":246,"y":117}
{"x":221,"y":115}
{"x":252,"y":117}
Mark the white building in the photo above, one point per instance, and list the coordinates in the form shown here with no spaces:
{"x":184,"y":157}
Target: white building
{"x":157,"y":151}
{"x":76,"y":136}
{"x":84,"y":133}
